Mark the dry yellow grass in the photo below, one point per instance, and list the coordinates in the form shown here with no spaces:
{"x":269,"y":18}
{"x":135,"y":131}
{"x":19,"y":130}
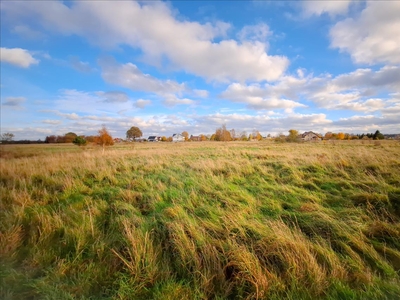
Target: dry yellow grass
{"x":203,"y":220}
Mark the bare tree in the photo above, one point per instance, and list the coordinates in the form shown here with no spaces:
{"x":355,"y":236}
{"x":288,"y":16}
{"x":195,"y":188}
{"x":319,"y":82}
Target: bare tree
{"x":7,"y":137}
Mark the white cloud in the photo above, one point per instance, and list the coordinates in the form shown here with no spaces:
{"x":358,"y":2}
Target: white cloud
{"x":352,"y":91}
{"x":155,"y":29}
{"x":28,"y":33}
{"x":128,"y":75}
{"x":325,"y":6}
{"x":256,"y":97}
{"x":201,"y":93}
{"x":52,"y":122}
{"x":88,"y":103}
{"x":172,"y":100}
{"x":373,"y":36}
{"x":259,"y":32}
{"x":14,"y":101}
{"x":17,"y":56}
{"x":141,"y":103}
{"x":387,"y":76}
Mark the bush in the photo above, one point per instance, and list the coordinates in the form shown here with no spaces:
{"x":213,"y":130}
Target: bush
{"x":79,"y":141}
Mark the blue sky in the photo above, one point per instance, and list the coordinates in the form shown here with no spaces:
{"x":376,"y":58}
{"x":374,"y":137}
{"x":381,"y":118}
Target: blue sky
{"x":169,"y":67}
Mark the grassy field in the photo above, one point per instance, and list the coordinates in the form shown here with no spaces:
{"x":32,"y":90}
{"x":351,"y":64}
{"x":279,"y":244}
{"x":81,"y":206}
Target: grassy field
{"x":206,"y":220}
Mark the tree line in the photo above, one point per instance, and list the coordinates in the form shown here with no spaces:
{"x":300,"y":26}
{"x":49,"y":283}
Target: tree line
{"x":104,"y":138}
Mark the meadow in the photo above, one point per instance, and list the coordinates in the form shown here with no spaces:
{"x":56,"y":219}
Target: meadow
{"x":201,"y":220}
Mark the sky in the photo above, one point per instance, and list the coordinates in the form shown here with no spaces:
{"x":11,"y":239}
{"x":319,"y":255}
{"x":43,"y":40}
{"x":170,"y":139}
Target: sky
{"x":169,"y":67}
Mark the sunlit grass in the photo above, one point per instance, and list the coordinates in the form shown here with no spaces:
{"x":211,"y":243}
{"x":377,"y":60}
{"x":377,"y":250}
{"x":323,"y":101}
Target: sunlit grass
{"x":203,"y":220}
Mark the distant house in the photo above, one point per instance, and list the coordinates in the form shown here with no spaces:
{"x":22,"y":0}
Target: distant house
{"x":195,"y":138}
{"x":310,"y":136}
{"x":177,"y":137}
{"x":154,"y":138}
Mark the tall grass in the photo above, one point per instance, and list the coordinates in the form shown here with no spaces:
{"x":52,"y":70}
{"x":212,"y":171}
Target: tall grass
{"x":202,"y":220}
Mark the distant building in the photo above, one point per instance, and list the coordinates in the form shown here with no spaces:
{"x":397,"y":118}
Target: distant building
{"x":310,"y":136}
{"x":177,"y":137}
{"x":154,"y":138}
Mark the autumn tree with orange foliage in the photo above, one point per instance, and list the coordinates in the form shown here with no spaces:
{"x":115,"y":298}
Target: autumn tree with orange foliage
{"x":340,"y":136}
{"x":104,"y":138}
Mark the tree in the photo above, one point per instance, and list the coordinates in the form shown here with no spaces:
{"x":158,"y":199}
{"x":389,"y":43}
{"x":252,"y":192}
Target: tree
{"x":293,"y":135}
{"x":50,"y":139}
{"x":340,"y":136}
{"x":70,"y":137}
{"x":7,"y":137}
{"x":60,"y":139}
{"x":133,"y":133}
{"x":90,"y":138}
{"x":378,"y":135}
{"x":256,"y":135}
{"x":104,"y":138}
{"x":185,"y":135}
{"x":243,"y":136}
{"x":328,"y":135}
{"x":222,"y":134}
{"x":79,"y":141}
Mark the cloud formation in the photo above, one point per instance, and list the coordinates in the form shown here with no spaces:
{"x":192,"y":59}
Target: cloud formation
{"x":354,"y":91}
{"x":18,"y":57}
{"x":189,"y":46}
{"x":330,"y":7}
{"x":141,"y":103}
{"x":28,"y":33}
{"x":373,"y":36}
{"x":129,"y":76}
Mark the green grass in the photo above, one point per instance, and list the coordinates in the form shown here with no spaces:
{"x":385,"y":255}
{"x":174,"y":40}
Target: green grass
{"x":202,"y":220}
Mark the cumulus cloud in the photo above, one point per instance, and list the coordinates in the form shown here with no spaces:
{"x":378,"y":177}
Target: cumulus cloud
{"x":52,"y":122}
{"x":69,"y":116}
{"x":18,"y":57}
{"x":200,"y":93}
{"x":172,"y":100}
{"x":14,"y":101}
{"x":256,"y":97}
{"x":73,"y":102}
{"x":159,"y":33}
{"x":352,"y":91}
{"x":28,"y":33}
{"x":387,"y":76}
{"x":373,"y":36}
{"x":128,"y":75}
{"x":141,"y":103}
{"x":330,"y":7}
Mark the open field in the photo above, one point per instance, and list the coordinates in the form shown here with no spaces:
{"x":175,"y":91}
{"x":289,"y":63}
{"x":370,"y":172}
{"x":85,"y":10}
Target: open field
{"x":206,"y":220}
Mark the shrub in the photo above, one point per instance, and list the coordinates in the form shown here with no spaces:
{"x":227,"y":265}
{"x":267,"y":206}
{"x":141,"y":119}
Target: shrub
{"x":79,"y":141}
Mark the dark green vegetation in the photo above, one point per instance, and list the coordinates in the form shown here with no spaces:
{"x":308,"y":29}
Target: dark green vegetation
{"x":201,"y":221}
